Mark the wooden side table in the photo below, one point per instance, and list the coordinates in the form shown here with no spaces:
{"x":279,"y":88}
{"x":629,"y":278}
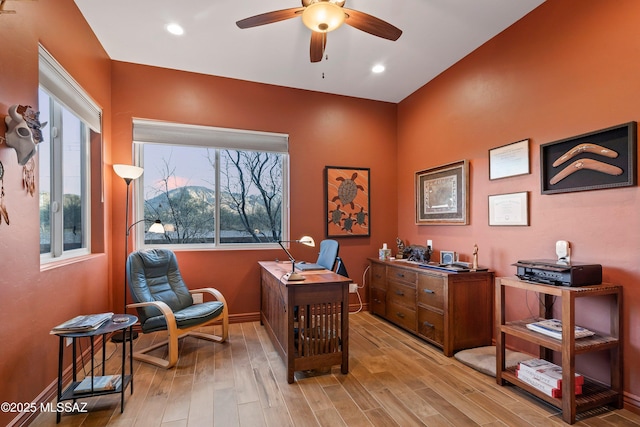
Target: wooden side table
{"x":107,"y":328}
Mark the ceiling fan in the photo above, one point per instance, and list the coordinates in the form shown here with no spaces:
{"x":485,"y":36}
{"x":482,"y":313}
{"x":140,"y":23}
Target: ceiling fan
{"x":323,"y":16}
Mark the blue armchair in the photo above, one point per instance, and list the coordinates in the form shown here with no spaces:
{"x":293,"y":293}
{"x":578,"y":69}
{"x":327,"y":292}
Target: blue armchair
{"x":164,"y":302}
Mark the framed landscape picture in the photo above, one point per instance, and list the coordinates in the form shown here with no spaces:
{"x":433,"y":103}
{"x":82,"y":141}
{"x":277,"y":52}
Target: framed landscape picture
{"x":347,"y":201}
{"x":442,"y":194}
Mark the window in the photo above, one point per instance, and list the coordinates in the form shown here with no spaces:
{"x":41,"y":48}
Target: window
{"x":63,"y":162}
{"x":211,"y":187}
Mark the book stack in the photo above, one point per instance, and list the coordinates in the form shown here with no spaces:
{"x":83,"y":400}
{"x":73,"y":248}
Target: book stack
{"x":553,"y":328}
{"x":82,"y":323}
{"x":545,"y":377}
{"x":100,"y":383}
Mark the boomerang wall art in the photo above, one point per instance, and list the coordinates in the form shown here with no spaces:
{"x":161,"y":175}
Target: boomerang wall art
{"x":593,"y":161}
{"x":347,"y":202}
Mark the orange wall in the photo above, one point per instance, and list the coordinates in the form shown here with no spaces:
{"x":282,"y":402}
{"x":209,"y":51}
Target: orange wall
{"x":323,"y":130}
{"x":33,"y":300}
{"x":567,"y":68}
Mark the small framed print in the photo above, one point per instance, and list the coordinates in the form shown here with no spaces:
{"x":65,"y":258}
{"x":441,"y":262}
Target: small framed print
{"x":509,"y":209}
{"x":509,"y":160}
{"x":442,"y":194}
{"x":448,"y":257}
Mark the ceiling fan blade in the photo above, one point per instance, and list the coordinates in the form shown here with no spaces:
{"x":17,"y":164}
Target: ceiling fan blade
{"x":269,"y":17}
{"x":372,"y":25}
{"x":318,"y":44}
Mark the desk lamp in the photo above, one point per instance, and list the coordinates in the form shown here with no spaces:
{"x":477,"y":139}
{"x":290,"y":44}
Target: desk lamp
{"x":305,"y":240}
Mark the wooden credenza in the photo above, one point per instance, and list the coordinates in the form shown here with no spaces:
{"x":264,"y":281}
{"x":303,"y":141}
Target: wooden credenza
{"x":454,"y":311}
{"x":307,"y":321}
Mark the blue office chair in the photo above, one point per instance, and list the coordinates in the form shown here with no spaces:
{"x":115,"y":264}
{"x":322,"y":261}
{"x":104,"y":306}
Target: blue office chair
{"x":328,"y":253}
{"x":340,"y":267}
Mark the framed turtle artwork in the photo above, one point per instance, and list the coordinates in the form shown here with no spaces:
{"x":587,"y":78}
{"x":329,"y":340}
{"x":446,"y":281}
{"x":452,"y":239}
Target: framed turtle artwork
{"x":347,"y":201}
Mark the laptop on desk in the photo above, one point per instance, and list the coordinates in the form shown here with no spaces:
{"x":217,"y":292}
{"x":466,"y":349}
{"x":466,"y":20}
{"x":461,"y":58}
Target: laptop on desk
{"x":308,"y":266}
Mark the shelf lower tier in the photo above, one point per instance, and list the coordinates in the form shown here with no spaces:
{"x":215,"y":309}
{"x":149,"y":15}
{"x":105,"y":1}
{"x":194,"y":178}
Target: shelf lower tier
{"x":69,"y":394}
{"x":593,"y":395}
{"x":582,"y":345}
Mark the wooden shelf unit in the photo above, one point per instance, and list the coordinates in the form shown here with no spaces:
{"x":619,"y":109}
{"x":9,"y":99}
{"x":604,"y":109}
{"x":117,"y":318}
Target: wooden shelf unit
{"x":453,"y":311}
{"x":594,"y":394}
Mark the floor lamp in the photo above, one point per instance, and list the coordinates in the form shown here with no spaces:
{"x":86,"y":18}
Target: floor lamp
{"x":130,"y":173}
{"x":305,"y":240}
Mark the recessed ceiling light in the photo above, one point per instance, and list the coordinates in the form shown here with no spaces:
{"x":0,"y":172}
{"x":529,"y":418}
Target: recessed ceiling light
{"x":175,"y":29}
{"x":378,"y":68}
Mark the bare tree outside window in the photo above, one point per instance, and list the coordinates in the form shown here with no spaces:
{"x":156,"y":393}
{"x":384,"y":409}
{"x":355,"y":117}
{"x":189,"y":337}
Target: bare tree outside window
{"x":251,"y":186}
{"x":180,"y":189}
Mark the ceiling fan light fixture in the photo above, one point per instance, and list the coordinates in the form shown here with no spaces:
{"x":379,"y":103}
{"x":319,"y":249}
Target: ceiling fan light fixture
{"x":323,"y":16}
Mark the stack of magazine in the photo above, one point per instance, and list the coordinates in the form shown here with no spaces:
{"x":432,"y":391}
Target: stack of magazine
{"x":553,"y":328}
{"x":82,"y":323}
{"x":101,"y":383}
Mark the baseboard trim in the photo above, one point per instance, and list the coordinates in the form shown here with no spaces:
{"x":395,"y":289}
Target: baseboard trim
{"x":244,"y":317}
{"x":631,"y":402}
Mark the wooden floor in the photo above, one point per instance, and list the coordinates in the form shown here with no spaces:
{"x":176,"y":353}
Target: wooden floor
{"x":395,"y":379}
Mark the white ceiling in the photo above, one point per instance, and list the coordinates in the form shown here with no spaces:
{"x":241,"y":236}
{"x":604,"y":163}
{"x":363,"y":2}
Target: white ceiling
{"x":436,"y":34}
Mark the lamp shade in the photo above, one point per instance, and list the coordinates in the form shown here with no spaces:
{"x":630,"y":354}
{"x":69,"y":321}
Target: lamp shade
{"x":307,"y":240}
{"x":156,"y":227}
{"x":323,"y":17}
{"x":128,"y":172}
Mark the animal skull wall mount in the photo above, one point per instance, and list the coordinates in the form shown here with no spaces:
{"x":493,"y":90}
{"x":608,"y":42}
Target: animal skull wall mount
{"x":19,"y":136}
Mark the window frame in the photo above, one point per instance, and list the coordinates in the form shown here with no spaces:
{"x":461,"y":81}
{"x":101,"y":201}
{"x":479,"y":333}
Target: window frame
{"x":65,"y":93}
{"x":160,"y":132}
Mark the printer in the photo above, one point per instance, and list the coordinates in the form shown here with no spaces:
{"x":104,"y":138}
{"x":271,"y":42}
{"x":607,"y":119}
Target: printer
{"x":559,"y":273}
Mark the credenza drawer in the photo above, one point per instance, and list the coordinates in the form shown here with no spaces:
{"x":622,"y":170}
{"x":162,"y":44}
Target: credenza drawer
{"x":378,"y":301}
{"x":402,"y":316}
{"x":431,"y":325}
{"x":431,"y":291}
{"x":398,"y":293}
{"x":378,"y":276}
{"x":402,"y":275}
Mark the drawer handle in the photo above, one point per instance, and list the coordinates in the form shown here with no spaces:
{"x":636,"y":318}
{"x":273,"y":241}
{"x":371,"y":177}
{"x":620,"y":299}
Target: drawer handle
{"x":429,"y":291}
{"x":400,"y":275}
{"x":429,"y":325}
{"x":400,"y":293}
{"x":376,"y":300}
{"x":400,"y":315}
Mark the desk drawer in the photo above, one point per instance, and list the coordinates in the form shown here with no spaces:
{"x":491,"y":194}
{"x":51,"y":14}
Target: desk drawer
{"x":402,"y":316}
{"x":399,"y":293}
{"x":431,"y":291}
{"x":402,"y":275}
{"x":431,"y":325}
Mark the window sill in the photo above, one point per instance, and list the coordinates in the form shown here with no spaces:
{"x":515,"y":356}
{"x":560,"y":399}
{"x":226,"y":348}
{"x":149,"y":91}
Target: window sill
{"x":63,"y":262}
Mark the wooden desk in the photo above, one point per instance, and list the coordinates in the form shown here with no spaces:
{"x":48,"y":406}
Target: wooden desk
{"x":308,"y":321}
